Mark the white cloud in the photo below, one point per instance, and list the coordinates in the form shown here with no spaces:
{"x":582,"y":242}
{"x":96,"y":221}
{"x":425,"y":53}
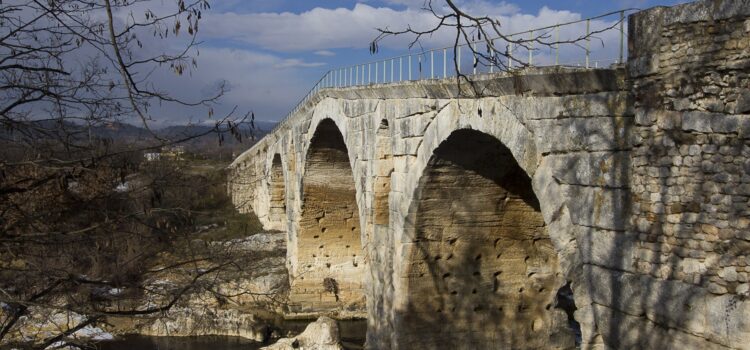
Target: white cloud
{"x":270,"y":84}
{"x":321,"y":30}
{"x":265,"y":83}
{"x":297,"y":63}
{"x":327,"y":53}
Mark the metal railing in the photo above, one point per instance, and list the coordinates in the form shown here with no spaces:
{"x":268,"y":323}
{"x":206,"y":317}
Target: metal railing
{"x":563,"y":42}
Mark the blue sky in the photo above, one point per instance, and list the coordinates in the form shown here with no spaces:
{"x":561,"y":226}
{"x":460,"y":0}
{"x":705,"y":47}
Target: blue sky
{"x":270,"y":52}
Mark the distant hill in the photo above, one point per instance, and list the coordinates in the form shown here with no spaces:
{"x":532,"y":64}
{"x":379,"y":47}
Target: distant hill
{"x":199,"y":139}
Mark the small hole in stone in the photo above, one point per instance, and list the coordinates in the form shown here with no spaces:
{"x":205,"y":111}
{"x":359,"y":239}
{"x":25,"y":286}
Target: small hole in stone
{"x":355,"y":263}
{"x":526,"y":259}
{"x":320,"y":247}
{"x":478,"y":257}
{"x":498,"y":256}
{"x":438,"y":257}
{"x":450,"y":256}
{"x":341,"y":237}
{"x":452,"y":241}
{"x":541,"y":290}
{"x":446,"y":275}
{"x":309,"y":266}
{"x":520,"y":290}
{"x":473,"y":291}
{"x":348,"y":246}
{"x":496,"y":242}
{"x":531,"y":274}
{"x":327,"y":256}
{"x":497,"y":273}
{"x":354,"y":228}
{"x":477,"y":273}
{"x":454,"y":292}
{"x":549,"y":306}
{"x":323,"y":230}
{"x":316,"y":236}
{"x":328,"y":265}
{"x":421,"y":275}
{"x":477,"y":308}
{"x":439,"y":310}
{"x":315,"y":256}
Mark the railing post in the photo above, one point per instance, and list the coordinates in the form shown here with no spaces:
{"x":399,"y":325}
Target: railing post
{"x":510,"y":53}
{"x":588,"y":41}
{"x":356,"y":77}
{"x":419,"y":66}
{"x":351,"y":76}
{"x":622,"y":35}
{"x":432,"y":64}
{"x":458,"y":60}
{"x":492,"y":55}
{"x":393,"y":63}
{"x":474,"y":54}
{"x":445,"y":63}
{"x":384,"y":71}
{"x":409,"y":67}
{"x":400,"y":68}
{"x":369,"y":75}
{"x":557,"y":45}
{"x":376,"y":73}
{"x":531,"y":48}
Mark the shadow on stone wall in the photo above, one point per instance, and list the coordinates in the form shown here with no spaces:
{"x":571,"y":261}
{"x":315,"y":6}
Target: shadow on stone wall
{"x":482,"y":272}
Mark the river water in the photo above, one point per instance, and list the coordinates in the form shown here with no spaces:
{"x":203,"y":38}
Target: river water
{"x":139,"y":342}
{"x":352,"y":336}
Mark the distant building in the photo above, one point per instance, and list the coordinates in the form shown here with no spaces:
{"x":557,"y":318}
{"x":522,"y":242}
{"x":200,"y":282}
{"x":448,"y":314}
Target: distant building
{"x":152,"y":156}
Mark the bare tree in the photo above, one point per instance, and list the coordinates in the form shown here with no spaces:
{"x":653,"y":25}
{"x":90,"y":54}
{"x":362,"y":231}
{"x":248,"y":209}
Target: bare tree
{"x":72,"y":241}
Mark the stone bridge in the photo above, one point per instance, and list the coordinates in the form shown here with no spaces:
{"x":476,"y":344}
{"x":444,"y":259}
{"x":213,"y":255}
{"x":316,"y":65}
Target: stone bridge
{"x":607,"y":208}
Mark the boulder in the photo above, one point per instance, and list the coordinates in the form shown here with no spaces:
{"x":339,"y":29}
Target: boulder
{"x":322,"y":334}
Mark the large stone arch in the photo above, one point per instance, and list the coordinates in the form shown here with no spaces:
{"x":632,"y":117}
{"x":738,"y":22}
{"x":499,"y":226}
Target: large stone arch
{"x":481,"y":272}
{"x":329,"y":266}
{"x":507,"y":127}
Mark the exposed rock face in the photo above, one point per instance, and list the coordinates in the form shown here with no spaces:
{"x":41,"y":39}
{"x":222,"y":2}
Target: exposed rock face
{"x":322,"y":334}
{"x":264,"y":282}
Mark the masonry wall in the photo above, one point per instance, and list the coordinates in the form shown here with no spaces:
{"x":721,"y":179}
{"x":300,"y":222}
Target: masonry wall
{"x":690,"y":178}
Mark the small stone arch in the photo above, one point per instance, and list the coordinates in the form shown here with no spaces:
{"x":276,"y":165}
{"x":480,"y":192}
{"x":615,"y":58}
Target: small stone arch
{"x":329,"y":256}
{"x":277,"y":215}
{"x":480,"y":269}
